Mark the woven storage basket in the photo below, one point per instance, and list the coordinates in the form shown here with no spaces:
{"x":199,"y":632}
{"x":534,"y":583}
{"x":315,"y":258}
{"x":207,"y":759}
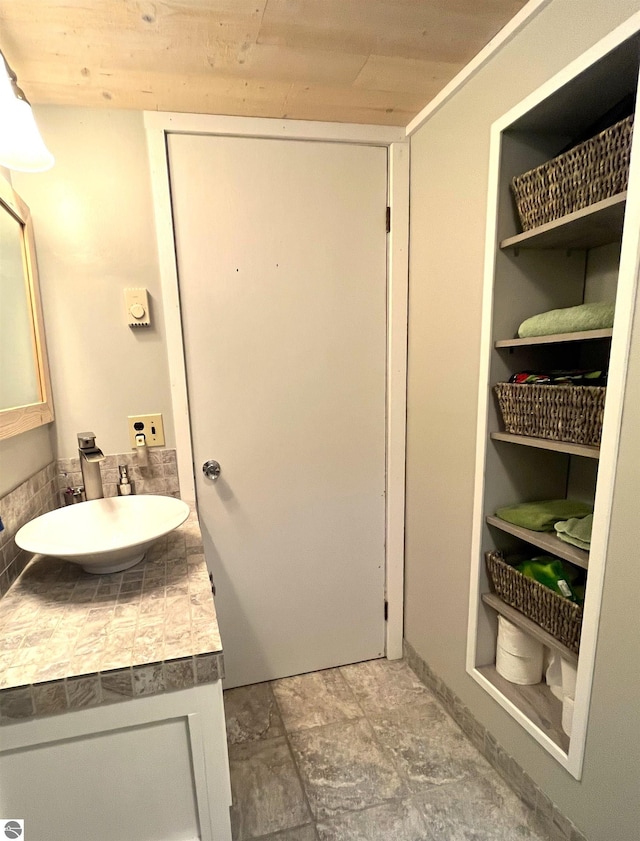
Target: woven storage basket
{"x":555,"y":614}
{"x":590,"y":172}
{"x":570,"y":413}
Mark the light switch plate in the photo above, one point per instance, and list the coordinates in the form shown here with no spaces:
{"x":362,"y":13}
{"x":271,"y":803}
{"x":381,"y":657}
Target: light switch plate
{"x":150,"y":426}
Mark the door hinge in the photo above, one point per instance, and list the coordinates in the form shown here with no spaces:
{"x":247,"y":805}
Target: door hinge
{"x":386,"y":610}
{"x":388,"y":220}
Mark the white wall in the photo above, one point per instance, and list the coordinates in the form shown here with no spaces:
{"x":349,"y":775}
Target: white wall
{"x":449,"y":174}
{"x":95,"y":236}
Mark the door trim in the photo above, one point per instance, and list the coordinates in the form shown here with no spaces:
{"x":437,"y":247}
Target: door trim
{"x":160,"y":124}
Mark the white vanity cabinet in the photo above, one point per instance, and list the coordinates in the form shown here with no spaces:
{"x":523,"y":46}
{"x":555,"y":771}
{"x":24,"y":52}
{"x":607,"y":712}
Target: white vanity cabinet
{"x":587,"y":256}
{"x":112,"y":722}
{"x":146,"y":769}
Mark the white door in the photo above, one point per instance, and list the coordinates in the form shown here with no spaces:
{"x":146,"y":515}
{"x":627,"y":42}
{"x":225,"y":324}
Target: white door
{"x":281,"y":250}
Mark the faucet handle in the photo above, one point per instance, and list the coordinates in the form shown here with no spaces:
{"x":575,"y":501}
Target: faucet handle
{"x":86,"y":440}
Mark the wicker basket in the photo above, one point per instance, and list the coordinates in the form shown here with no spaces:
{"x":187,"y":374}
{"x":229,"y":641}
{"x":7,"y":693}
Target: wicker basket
{"x":555,"y":614}
{"x":590,"y":172}
{"x":570,"y":413}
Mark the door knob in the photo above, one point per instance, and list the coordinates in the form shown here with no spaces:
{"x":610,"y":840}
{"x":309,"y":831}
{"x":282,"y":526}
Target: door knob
{"x":211,"y":469}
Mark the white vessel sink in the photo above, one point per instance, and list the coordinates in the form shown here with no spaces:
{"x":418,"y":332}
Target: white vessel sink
{"x":104,"y":535}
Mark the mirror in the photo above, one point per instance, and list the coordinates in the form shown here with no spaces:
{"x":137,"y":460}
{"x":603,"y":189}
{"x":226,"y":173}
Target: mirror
{"x":25,"y":388}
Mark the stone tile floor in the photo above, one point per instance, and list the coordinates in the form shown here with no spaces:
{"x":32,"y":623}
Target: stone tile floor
{"x":361,"y":753}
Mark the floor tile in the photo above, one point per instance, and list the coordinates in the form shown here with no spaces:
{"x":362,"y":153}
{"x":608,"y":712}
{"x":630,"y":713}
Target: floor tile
{"x":267,"y":794}
{"x":396,"y":820}
{"x":300,"y":833}
{"x":251,"y":713}
{"x":342,"y":767}
{"x":428,"y":747}
{"x":381,"y":685}
{"x":315,"y":699}
{"x":483,"y":808}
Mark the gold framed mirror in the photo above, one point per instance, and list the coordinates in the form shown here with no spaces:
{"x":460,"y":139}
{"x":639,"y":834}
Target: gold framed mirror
{"x":25,"y":386}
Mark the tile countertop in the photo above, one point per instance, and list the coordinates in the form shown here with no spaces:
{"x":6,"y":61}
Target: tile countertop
{"x":71,"y":640}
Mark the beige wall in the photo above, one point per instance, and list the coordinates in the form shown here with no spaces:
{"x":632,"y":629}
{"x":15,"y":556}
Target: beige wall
{"x":95,"y":236}
{"x":448,"y":211}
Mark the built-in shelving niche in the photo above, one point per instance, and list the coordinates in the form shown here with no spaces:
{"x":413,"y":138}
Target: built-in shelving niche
{"x":569,"y":261}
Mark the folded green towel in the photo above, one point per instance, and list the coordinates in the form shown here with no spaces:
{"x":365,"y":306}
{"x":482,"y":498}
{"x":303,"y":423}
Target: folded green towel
{"x":576,"y":531}
{"x":568,"y":320}
{"x":542,"y":516}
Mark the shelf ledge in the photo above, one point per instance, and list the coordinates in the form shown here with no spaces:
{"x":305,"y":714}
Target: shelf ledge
{"x":546,"y":444}
{"x":526,"y":624}
{"x":556,"y":338}
{"x":544,"y":540}
{"x":536,"y":703}
{"x":599,"y":224}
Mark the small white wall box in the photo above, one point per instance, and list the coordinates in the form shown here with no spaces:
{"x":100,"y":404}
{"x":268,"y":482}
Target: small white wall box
{"x":137,"y":306}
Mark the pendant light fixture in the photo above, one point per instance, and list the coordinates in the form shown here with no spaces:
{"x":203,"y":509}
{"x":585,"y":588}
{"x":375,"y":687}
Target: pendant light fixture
{"x":21,"y":146}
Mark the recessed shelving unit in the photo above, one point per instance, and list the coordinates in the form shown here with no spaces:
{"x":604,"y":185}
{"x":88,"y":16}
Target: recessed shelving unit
{"x":580,"y":258}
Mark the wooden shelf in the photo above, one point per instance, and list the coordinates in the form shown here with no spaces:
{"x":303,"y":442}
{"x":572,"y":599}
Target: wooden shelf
{"x":537,"y":702}
{"x":525,"y":624}
{"x":556,"y":338}
{"x":545,"y":444}
{"x":598,"y":224}
{"x":544,"y":540}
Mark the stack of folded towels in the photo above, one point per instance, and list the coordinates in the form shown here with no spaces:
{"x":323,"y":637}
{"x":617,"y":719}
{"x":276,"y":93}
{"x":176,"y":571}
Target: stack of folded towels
{"x":595,"y":316}
{"x":576,"y":531}
{"x":571,"y":520}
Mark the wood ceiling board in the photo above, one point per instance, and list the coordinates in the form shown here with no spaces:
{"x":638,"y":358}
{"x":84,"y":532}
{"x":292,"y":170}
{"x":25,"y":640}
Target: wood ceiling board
{"x":438,"y":29}
{"x":310,"y":109}
{"x":337,"y":60}
{"x":407,"y":75}
{"x":270,"y":61}
{"x":257,"y":62}
{"x":166,"y":92}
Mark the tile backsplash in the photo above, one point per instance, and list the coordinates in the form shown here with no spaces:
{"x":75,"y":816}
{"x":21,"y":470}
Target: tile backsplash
{"x":42,"y":492}
{"x":35,"y":496}
{"x":158,"y":476}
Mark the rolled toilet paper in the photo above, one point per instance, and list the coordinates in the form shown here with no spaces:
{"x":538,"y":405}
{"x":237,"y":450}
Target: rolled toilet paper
{"x":519,"y":657}
{"x":517,"y":641}
{"x":567,"y":714}
{"x":553,"y":675}
{"x":569,"y":671}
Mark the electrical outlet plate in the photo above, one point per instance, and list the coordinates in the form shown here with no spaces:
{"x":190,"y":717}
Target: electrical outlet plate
{"x":150,"y":426}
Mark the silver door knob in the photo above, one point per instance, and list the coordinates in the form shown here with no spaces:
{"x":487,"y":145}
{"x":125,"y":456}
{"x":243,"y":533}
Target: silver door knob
{"x":211,"y":469}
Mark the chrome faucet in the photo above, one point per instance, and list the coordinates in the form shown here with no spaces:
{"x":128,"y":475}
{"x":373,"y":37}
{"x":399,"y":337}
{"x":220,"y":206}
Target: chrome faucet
{"x":90,"y":458}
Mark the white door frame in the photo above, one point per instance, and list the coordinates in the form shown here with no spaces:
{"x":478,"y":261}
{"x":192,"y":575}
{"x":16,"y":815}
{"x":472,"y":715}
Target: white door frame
{"x":160,"y":124}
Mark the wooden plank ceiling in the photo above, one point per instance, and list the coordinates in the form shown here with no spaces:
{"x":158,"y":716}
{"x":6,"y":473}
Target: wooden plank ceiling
{"x":361,"y":61}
